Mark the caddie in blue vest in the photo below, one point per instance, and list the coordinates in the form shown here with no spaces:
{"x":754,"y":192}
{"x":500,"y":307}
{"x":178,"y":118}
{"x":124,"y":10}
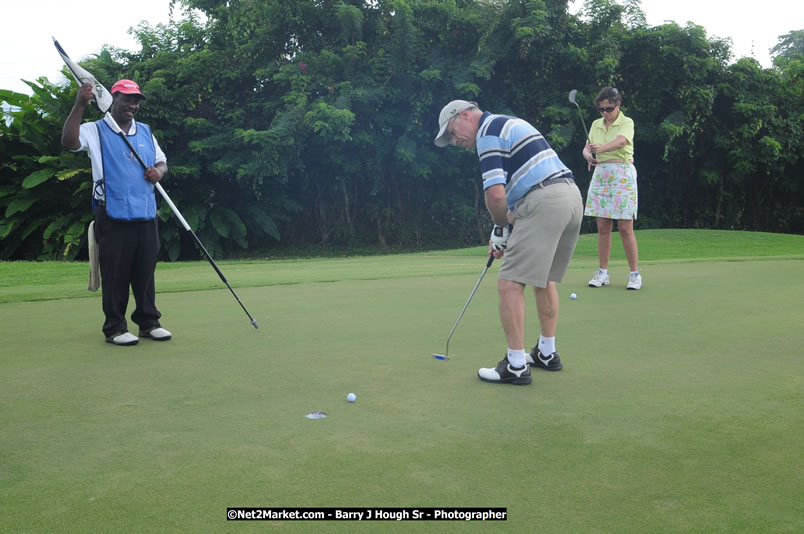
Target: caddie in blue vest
{"x":125,"y":208}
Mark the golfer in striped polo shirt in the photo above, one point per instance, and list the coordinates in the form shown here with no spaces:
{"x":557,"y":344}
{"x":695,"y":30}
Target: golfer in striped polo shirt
{"x":537,"y":209}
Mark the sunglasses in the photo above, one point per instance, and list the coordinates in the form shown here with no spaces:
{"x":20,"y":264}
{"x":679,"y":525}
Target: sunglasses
{"x":607,"y":110}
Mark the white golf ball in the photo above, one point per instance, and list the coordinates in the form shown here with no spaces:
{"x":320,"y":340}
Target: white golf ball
{"x":573,"y":296}
{"x":351,"y":397}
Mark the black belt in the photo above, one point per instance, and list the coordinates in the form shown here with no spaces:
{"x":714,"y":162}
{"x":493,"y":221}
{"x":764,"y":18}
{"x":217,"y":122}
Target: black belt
{"x":551,"y":181}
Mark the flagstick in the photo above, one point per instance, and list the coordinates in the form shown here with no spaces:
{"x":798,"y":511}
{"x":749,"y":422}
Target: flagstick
{"x":103,"y":99}
{"x":183,"y":222}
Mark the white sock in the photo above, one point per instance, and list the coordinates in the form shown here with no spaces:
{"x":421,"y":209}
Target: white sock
{"x":604,"y":271}
{"x":547,"y":345}
{"x":516,"y":357}
{"x":634,"y":272}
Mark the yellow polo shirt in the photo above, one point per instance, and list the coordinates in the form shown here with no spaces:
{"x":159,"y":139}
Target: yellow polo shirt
{"x":599,"y":135}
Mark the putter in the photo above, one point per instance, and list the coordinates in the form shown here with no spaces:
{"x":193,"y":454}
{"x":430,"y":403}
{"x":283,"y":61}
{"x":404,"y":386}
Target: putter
{"x":445,"y":356}
{"x":104,"y":99}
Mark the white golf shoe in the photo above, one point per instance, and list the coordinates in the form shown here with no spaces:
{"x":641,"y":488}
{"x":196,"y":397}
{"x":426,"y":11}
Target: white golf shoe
{"x":601,"y":279}
{"x":634,"y":281}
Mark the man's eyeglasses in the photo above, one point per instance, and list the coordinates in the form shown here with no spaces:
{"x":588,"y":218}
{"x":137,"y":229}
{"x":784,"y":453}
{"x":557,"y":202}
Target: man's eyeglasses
{"x":607,"y":110}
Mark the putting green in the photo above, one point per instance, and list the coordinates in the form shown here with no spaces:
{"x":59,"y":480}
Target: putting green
{"x":678,"y":410}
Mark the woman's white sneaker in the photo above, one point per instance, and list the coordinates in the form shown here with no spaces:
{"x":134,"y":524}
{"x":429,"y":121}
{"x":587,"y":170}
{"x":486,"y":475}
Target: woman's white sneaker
{"x":600,"y":279}
{"x":634,"y":281}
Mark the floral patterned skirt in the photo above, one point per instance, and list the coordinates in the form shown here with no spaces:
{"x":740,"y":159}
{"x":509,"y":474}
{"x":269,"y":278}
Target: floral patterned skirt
{"x":613,"y":192}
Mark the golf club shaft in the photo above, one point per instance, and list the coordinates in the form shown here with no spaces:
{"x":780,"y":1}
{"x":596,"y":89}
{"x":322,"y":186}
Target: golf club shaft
{"x":488,"y":264}
{"x":187,"y":227}
{"x":584,"y":128}
{"x":586,"y":131}
{"x":583,"y":122}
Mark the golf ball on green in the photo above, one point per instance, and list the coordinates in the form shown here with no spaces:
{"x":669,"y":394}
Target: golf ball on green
{"x":573,"y":296}
{"x":351,"y":397}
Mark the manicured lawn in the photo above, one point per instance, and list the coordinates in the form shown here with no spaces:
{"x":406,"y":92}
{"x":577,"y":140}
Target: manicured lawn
{"x":679,"y":408}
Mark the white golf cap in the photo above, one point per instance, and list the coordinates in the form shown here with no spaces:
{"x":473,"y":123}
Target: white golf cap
{"x":449,"y":111}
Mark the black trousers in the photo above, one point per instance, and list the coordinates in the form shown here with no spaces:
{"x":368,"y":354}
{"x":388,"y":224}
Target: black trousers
{"x":128,"y":251}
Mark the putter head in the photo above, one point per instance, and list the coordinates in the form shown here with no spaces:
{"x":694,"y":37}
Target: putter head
{"x":441,"y":357}
{"x":254,"y":324}
{"x":572,"y":96}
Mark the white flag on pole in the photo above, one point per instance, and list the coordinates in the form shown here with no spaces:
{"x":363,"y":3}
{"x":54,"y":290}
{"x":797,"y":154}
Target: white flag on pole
{"x":102,"y":97}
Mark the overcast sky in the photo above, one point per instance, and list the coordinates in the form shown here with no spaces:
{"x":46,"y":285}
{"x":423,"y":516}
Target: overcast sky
{"x":27,"y":52}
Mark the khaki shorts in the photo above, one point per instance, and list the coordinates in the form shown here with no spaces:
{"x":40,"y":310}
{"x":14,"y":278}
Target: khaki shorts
{"x":547,"y":222}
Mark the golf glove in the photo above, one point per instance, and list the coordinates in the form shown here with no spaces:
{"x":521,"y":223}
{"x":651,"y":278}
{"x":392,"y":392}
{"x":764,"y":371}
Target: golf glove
{"x":499,"y":236}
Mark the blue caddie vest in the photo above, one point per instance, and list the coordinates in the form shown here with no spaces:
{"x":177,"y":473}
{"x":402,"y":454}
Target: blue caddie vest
{"x":129,"y":196}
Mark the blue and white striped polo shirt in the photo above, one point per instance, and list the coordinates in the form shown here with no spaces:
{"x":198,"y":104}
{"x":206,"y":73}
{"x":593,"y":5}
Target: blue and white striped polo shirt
{"x":515,"y":154}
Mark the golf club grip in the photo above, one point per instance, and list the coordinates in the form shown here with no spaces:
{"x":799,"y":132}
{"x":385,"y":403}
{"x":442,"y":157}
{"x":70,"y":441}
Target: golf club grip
{"x":491,"y":260}
{"x":221,"y":275}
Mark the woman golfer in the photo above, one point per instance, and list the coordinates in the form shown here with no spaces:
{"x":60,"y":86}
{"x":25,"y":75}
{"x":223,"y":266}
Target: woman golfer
{"x":613,"y":190}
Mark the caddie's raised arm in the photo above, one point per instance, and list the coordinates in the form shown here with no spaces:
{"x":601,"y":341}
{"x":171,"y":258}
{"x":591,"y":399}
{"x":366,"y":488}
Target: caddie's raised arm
{"x":72,"y":126}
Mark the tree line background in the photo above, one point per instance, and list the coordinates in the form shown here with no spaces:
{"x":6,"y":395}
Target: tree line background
{"x":310,"y":123}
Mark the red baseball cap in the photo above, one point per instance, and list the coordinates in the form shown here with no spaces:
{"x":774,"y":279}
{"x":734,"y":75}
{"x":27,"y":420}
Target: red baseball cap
{"x":127,"y":87}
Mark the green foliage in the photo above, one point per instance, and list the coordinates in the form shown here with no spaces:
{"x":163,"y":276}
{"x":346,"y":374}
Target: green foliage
{"x":790,"y":46}
{"x":44,"y":198}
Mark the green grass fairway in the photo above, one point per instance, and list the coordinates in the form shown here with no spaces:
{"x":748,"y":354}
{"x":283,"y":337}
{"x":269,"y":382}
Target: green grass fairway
{"x":680,"y":407}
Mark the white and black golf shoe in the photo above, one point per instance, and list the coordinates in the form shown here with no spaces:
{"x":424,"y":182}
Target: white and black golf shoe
{"x":505,"y":374}
{"x":548,"y":363}
{"x":157,"y":334}
{"x":123,"y":339}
